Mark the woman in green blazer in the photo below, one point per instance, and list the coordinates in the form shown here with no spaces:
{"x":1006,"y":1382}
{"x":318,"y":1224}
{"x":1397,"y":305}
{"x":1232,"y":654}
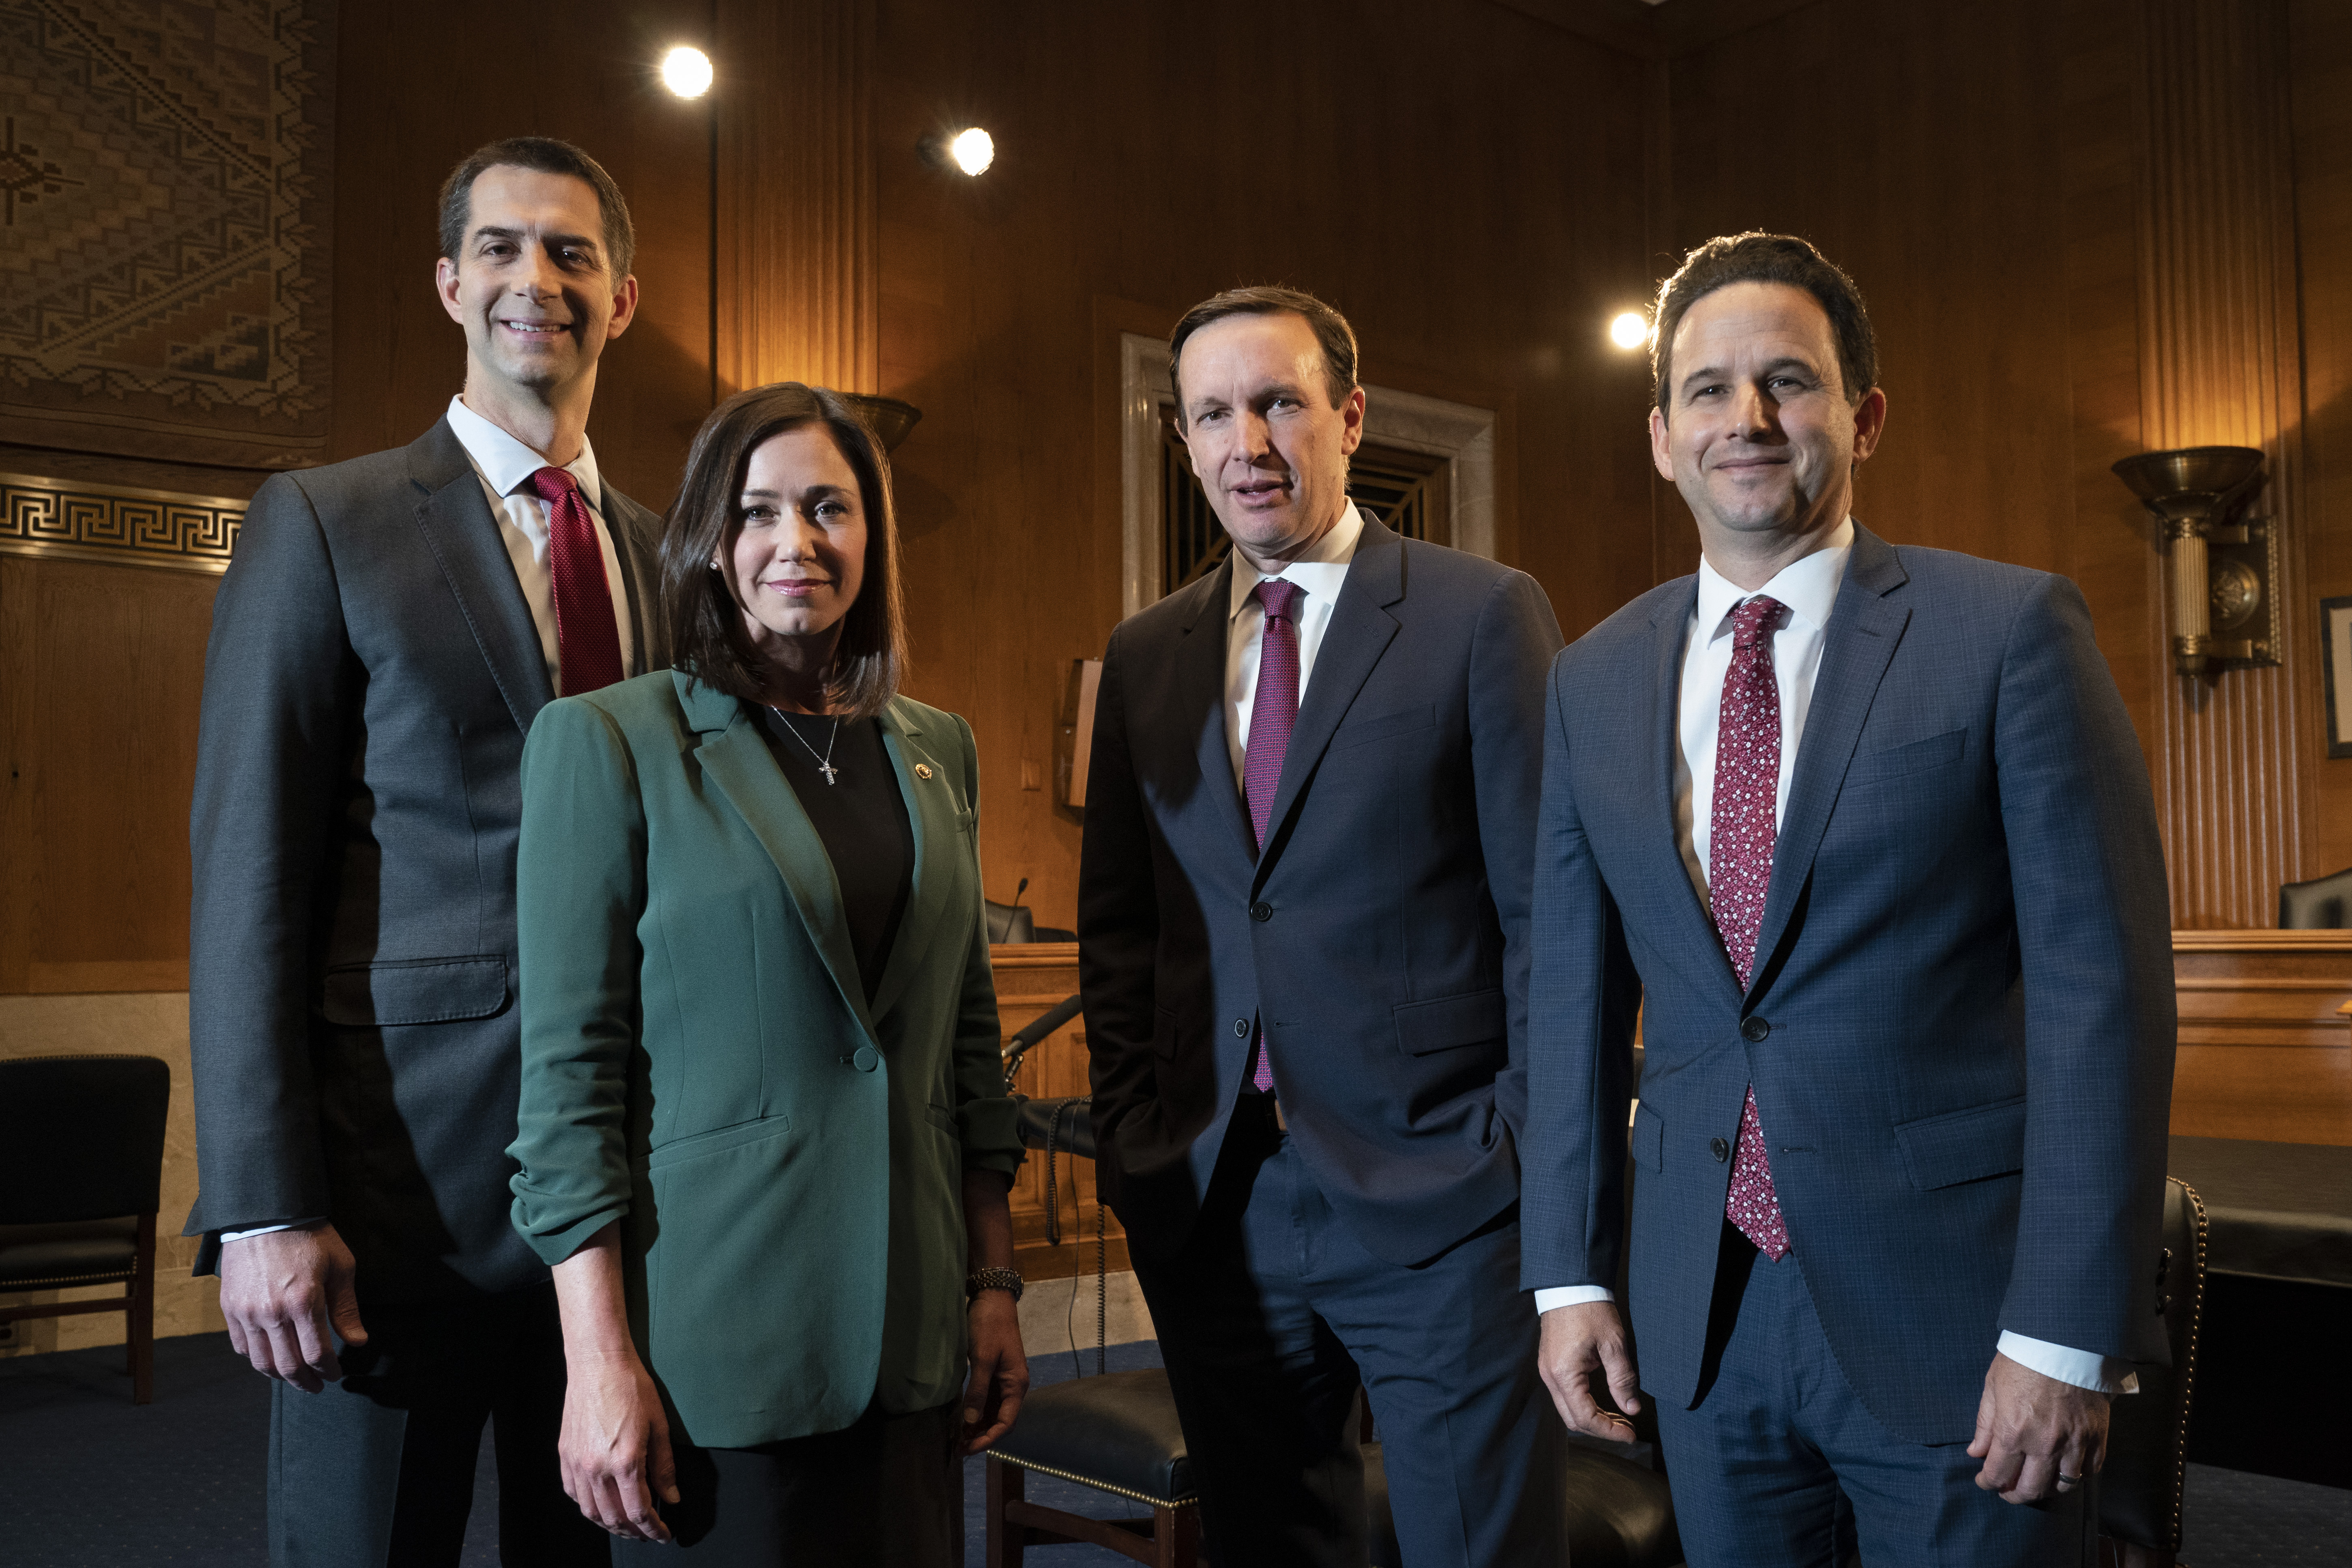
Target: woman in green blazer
{"x":763,"y":1134}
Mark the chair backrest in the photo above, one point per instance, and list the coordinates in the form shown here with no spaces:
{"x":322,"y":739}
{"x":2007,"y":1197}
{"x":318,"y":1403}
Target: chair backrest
{"x":2324,"y":903}
{"x":81,"y":1137}
{"x":2148,"y":1432}
{"x":1010,"y":922}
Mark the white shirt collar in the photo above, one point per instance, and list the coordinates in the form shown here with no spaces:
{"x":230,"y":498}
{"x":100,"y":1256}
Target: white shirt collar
{"x":1808,"y":586}
{"x":507,"y":465}
{"x":1337,"y":548}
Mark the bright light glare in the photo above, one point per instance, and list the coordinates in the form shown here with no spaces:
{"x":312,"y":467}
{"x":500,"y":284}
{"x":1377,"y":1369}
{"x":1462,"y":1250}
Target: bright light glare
{"x":973,"y":151}
{"x":1628,"y":329}
{"x":686,"y":72}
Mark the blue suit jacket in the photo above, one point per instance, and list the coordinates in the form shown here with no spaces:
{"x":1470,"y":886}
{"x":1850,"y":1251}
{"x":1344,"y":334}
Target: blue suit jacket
{"x":1960,"y":1026}
{"x":1382,"y":934}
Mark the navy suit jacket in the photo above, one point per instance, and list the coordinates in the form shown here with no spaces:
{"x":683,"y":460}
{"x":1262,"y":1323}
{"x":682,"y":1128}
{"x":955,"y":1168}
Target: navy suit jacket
{"x":1961,"y":1021}
{"x":1382,"y":934}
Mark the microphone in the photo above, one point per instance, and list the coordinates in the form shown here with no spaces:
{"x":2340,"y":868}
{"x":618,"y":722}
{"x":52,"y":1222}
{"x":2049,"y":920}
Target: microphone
{"x":1019,"y":891}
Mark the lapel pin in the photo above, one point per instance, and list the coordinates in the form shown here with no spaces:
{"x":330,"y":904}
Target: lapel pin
{"x":922,"y":770}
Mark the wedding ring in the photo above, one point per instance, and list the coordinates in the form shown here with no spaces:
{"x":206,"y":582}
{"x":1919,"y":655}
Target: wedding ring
{"x":2068,"y":1483}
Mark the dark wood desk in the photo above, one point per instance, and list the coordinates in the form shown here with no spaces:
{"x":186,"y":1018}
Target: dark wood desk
{"x":2264,"y":1053}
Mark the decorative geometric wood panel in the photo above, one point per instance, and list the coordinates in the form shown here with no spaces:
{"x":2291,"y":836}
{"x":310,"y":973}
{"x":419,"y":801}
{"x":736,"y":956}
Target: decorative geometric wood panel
{"x":117,"y":524}
{"x":168,"y":174}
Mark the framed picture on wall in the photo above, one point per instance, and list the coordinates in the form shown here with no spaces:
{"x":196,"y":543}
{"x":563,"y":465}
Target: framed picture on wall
{"x":2336,"y":642}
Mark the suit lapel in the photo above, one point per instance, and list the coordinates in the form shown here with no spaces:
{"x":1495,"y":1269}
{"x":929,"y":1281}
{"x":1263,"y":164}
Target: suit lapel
{"x":1200,"y":703}
{"x":931,"y":813}
{"x":1863,"y":631}
{"x":1362,"y":629}
{"x":1670,"y":636}
{"x":634,"y":528}
{"x":454,"y":517}
{"x":736,"y":759}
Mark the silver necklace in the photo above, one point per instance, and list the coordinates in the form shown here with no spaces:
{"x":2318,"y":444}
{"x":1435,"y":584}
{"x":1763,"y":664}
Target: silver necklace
{"x":823,"y":764}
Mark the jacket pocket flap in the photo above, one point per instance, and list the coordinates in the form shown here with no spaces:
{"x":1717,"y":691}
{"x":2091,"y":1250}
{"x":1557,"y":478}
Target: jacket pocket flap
{"x":415,"y":990}
{"x":1917,"y":756}
{"x":1450,"y":1021}
{"x":1380,"y":726}
{"x":1964,"y":1145}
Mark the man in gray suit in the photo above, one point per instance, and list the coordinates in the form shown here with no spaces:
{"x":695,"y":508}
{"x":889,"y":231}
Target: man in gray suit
{"x":1303,"y":928}
{"x":1864,"y":830}
{"x":385,"y":636}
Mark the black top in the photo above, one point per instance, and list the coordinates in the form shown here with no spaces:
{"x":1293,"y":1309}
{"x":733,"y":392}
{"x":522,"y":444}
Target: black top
{"x":862,"y":819}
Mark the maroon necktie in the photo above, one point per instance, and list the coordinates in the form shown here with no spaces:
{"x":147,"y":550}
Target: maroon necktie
{"x":1273,"y":712}
{"x":587,"y":638}
{"x":1742,"y":828}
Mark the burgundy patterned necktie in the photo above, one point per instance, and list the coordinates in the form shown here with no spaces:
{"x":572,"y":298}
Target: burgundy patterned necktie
{"x":1742,"y":829}
{"x":1273,"y":711}
{"x":587,"y":638}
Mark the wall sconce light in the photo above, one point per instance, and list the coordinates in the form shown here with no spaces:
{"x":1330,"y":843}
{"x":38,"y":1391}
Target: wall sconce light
{"x":1628,"y":329}
{"x":2224,"y":575}
{"x":686,"y":71}
{"x":887,"y":417}
{"x":969,"y":150}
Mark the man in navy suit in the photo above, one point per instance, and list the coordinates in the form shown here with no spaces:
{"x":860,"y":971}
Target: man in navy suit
{"x":1865,"y":833}
{"x":1303,"y":928}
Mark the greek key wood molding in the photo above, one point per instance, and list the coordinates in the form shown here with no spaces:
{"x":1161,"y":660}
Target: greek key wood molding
{"x":66,"y":519}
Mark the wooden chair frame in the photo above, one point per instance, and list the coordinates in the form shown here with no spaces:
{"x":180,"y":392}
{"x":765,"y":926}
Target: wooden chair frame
{"x":1168,"y":1537}
{"x":137,"y":1304}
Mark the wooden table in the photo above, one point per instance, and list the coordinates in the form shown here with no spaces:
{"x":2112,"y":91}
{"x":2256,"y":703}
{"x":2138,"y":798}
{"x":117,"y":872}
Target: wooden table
{"x":2264,"y":1051}
{"x":1031,"y":978}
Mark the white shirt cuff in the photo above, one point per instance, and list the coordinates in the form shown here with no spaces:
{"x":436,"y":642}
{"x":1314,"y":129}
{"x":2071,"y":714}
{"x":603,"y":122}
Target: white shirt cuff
{"x":2083,"y":1369}
{"x":228,"y":1236}
{"x":1553,"y":1296}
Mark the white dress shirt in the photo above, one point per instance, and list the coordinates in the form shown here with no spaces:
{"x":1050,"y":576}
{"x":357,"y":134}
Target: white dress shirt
{"x":1809,"y":587}
{"x":505,"y":466}
{"x":1319,"y":575}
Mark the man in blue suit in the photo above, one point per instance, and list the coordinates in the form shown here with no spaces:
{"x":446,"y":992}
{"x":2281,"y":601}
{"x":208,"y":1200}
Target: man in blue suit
{"x":1303,"y":938}
{"x":1865,"y":833}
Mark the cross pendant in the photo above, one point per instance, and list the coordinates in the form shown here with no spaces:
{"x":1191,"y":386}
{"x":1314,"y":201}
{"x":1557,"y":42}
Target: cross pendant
{"x":828,"y":770}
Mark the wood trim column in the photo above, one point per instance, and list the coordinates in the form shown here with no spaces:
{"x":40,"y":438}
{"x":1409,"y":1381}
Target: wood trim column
{"x":797,"y":220}
{"x":2220,"y":364}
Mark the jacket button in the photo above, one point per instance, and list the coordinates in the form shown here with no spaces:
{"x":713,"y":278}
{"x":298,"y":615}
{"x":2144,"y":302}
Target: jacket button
{"x":866,"y":1059}
{"x":1719,"y":1149}
{"x":1241,"y":1028}
{"x":1261,"y":911}
{"x":1753,"y":1030}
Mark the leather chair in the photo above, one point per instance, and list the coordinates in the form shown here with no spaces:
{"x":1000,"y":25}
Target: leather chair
{"x":1116,"y":1432}
{"x":2148,"y":1432}
{"x":81,"y":1168}
{"x":2324,"y":903}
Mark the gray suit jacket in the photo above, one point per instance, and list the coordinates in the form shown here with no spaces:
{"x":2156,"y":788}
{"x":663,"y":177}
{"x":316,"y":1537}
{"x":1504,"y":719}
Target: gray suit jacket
{"x":1381,"y":936}
{"x":372,"y":673}
{"x":1960,"y":1022}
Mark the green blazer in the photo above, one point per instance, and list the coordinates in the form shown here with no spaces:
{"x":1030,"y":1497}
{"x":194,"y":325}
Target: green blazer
{"x":699,"y":1061}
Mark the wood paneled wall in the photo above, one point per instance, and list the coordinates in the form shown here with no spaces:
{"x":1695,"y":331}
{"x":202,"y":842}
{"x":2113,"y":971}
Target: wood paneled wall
{"x":1480,"y":184}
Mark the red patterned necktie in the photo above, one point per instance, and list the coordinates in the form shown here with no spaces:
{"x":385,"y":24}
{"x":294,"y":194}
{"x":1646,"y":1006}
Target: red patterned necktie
{"x":1742,"y":829}
{"x":1273,"y":712}
{"x":587,"y":638}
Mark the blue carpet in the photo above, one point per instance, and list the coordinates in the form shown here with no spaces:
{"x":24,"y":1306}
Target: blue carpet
{"x":89,"y":1480}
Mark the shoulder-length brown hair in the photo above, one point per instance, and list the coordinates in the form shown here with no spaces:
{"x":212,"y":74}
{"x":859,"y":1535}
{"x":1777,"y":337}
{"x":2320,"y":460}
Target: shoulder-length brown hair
{"x":706,"y":623}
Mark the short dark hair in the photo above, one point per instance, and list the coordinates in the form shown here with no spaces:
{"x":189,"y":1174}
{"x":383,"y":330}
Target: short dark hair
{"x":1759,"y":257}
{"x":706,"y":623}
{"x":542,"y":155}
{"x":1332,"y":333}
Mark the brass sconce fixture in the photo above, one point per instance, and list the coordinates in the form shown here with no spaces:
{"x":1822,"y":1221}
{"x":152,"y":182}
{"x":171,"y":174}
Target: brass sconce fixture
{"x":2225,"y":607}
{"x":887,"y":417}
